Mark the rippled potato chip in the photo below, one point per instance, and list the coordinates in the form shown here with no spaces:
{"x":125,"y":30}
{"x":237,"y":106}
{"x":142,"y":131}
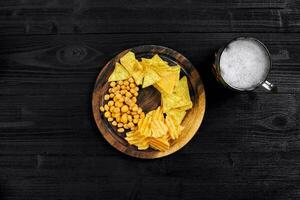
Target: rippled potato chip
{"x":137,"y":139}
{"x":161,"y":144}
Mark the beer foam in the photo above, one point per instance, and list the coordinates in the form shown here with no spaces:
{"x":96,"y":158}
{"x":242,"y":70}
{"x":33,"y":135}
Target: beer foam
{"x":244,"y":64}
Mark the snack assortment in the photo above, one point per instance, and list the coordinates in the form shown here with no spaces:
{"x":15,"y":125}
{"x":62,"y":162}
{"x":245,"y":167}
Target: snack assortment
{"x":157,"y":128}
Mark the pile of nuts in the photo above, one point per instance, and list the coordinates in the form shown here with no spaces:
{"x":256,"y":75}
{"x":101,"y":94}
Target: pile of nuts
{"x":121,"y":109}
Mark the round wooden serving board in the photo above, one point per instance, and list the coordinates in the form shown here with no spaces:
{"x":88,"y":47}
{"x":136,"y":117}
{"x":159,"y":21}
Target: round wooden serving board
{"x":149,"y":99}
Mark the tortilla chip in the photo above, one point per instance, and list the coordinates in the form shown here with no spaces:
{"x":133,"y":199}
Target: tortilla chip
{"x":169,"y":79}
{"x":134,"y":68}
{"x":179,"y":99}
{"x":177,"y":115}
{"x":138,"y":73}
{"x":188,"y":106}
{"x":150,"y":77}
{"x":146,"y":62}
{"x":158,"y":61}
{"x":170,"y":101}
{"x":182,"y":89}
{"x":128,"y":61}
{"x":119,"y":73}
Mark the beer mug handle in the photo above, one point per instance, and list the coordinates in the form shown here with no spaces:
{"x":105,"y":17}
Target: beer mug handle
{"x":269,"y":86}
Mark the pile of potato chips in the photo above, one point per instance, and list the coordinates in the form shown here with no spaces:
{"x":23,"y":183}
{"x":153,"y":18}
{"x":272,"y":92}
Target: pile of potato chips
{"x":162,"y":125}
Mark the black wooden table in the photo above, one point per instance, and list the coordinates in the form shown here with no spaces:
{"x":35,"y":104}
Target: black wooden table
{"x":248,"y":146}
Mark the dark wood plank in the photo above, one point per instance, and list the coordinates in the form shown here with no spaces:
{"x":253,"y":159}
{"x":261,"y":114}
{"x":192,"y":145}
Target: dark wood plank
{"x":59,"y":59}
{"x":52,"y":17}
{"x":211,"y":176}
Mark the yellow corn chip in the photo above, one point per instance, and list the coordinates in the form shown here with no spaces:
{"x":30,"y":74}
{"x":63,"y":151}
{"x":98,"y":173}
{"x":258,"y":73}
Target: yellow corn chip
{"x":179,"y":99}
{"x":150,"y":77}
{"x":170,"y":101}
{"x":177,"y":115}
{"x":188,"y":106}
{"x":128,"y":61}
{"x":158,"y":62}
{"x":119,"y":73}
{"x":138,"y":73}
{"x":146,"y":62}
{"x":169,"y":79}
{"x":182,"y":89}
{"x":134,"y":68}
{"x":158,"y":88}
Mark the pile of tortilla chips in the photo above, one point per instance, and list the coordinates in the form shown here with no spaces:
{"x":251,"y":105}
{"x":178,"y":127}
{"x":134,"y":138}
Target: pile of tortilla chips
{"x":156,"y":130}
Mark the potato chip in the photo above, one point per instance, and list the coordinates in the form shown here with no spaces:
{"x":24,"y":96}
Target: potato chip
{"x":119,"y":73}
{"x":157,"y":114}
{"x":137,"y":139}
{"x":158,"y":128}
{"x":144,"y":127}
{"x":133,"y":137}
{"x":161,"y":144}
{"x":174,"y":128}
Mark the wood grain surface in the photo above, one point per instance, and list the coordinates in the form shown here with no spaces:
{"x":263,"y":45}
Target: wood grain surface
{"x":52,"y":51}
